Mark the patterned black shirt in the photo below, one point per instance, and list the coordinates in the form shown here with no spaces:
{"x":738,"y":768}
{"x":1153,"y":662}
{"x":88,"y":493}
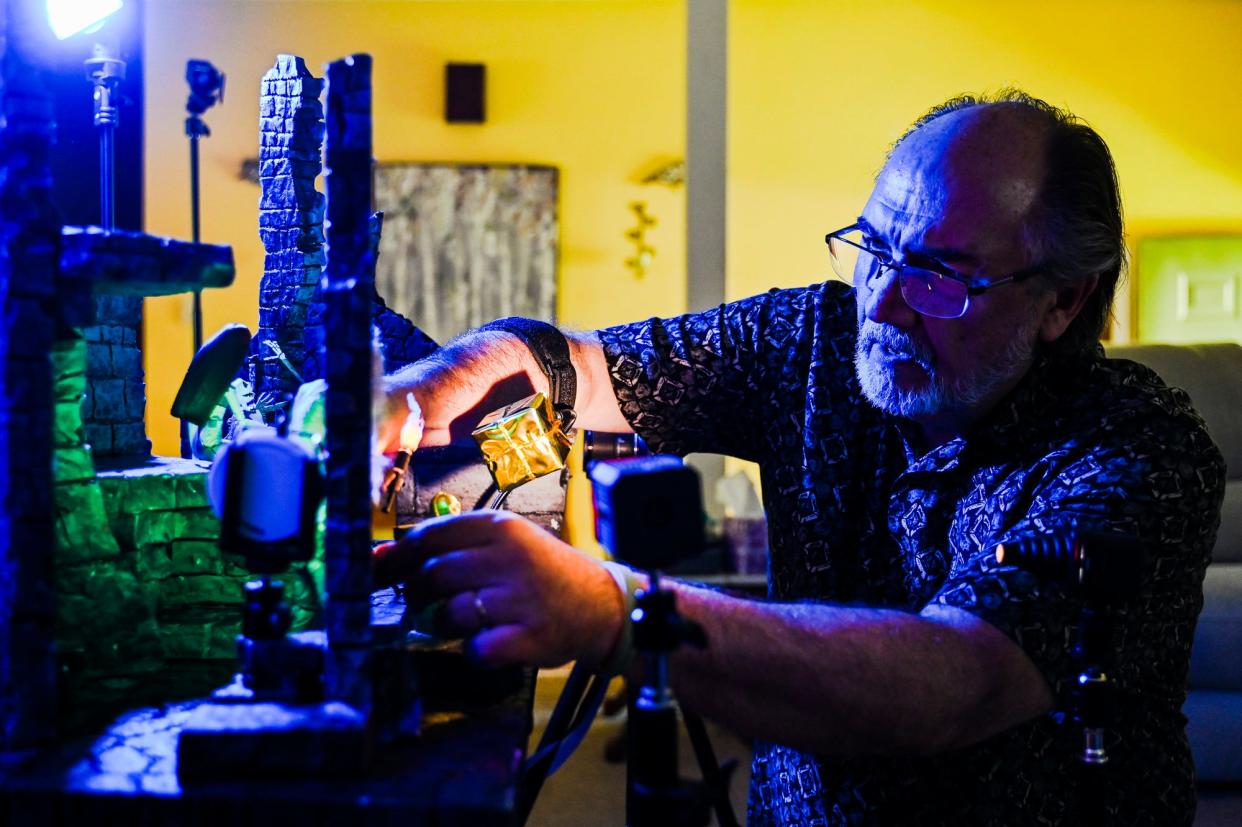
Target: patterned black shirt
{"x":858,"y":513}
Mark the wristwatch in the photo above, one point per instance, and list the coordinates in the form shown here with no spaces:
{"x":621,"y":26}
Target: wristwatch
{"x":551,"y":350}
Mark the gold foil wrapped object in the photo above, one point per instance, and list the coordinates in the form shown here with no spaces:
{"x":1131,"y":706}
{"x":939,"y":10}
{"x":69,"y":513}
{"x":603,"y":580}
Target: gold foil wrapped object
{"x":522,"y":442}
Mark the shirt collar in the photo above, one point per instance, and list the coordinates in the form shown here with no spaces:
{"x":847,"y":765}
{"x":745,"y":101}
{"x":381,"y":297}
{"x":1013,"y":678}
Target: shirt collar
{"x":1019,"y":416}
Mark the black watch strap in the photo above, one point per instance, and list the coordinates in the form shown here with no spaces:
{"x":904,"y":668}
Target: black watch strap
{"x":551,"y":350}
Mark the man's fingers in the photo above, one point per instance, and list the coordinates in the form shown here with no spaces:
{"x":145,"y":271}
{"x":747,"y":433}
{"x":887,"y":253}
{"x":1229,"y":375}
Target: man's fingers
{"x":500,"y":646}
{"x":396,"y":562}
{"x":471,"y":612}
{"x":389,"y":564}
{"x":474,"y":528}
{"x":456,"y":571}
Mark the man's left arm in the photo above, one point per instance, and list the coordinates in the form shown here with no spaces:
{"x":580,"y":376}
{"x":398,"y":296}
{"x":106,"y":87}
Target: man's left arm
{"x":978,"y":659}
{"x":843,"y":680}
{"x":824,"y":678}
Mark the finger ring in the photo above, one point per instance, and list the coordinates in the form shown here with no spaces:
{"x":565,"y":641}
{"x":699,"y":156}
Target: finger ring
{"x":485,"y":619}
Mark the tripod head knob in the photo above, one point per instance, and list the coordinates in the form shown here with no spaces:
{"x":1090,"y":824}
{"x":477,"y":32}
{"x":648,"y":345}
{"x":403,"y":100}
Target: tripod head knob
{"x":1101,"y":567}
{"x":658,"y":628}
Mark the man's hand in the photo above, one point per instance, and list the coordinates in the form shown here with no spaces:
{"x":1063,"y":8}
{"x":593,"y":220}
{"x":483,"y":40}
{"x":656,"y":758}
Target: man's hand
{"x":481,"y":371}
{"x":539,"y":600}
{"x":453,"y":396}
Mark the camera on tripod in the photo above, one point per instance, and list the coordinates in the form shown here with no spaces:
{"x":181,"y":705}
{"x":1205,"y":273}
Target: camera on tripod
{"x":1103,"y":570}
{"x":267,"y":487}
{"x":648,"y":514}
{"x":648,"y":510}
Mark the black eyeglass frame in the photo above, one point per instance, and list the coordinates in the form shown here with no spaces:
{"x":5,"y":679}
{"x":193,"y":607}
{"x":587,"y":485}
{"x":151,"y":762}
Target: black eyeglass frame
{"x":972,"y":287}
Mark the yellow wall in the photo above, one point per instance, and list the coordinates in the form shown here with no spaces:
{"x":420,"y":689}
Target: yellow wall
{"x":818,"y":90}
{"x":583,"y":86}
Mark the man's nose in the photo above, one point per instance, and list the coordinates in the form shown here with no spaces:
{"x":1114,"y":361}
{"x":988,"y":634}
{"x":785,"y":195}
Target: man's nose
{"x":884,"y":302}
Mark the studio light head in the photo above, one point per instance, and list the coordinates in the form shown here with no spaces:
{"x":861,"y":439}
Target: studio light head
{"x":206,"y":86}
{"x":70,"y":17}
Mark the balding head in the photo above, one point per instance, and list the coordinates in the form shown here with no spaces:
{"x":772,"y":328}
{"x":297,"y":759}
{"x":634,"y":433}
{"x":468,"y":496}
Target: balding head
{"x":1043,"y":166}
{"x":975,"y":173}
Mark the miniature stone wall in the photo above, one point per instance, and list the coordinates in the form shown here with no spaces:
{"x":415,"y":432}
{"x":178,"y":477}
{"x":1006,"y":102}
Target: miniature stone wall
{"x":142,"y":590}
{"x":169,"y":536}
{"x":114,"y":408}
{"x":112,"y":587}
{"x":290,"y":222}
{"x":149,"y":607}
{"x":401,"y":341}
{"x":105,"y":620}
{"x":291,"y":215}
{"x":83,"y":589}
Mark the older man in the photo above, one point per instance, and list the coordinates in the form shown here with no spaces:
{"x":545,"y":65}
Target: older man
{"x":955,"y":397}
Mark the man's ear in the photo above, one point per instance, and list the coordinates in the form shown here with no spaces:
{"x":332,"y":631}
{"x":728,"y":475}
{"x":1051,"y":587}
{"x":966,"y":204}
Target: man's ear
{"x":1068,"y":302}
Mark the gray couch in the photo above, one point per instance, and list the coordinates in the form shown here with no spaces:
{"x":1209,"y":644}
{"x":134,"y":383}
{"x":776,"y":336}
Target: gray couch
{"x":1212,"y":375}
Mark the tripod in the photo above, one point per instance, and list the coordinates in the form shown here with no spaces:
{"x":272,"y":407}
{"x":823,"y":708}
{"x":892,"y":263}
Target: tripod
{"x":206,"y":89}
{"x":648,"y":510}
{"x":1102,"y":570}
{"x":656,"y":796}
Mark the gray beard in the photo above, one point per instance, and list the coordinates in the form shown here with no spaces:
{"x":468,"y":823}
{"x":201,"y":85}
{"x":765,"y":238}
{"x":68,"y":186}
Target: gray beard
{"x":938,"y":397}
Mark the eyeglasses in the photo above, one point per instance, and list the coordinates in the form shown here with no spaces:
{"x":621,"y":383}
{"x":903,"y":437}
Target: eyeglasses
{"x":933,"y":290}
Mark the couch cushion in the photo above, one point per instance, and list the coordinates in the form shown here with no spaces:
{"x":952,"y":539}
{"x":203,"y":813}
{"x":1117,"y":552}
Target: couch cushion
{"x":1228,"y":548}
{"x":1215,"y":732}
{"x":1211,"y":375}
{"x":1216,"y":658}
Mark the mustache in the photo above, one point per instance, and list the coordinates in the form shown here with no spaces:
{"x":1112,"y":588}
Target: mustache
{"x":894,"y":342}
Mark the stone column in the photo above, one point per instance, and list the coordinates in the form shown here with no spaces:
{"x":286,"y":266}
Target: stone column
{"x":290,"y":223}
{"x":347,"y":292}
{"x":29,"y":255}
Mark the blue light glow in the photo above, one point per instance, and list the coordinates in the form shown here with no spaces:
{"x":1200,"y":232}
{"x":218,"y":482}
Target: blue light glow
{"x":70,"y":17}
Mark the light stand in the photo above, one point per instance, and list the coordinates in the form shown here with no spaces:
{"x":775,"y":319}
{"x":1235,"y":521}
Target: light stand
{"x":206,"y":89}
{"x":105,"y":71}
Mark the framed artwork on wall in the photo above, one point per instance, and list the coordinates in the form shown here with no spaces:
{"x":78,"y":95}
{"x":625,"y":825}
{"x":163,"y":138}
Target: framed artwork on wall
{"x":1190,"y":289}
{"x":467,"y":243}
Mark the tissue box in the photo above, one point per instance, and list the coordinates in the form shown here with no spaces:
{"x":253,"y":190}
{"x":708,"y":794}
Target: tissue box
{"x":522,"y":442}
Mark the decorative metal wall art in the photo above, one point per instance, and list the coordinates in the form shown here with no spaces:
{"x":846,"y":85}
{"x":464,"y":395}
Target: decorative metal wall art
{"x":465,"y":244}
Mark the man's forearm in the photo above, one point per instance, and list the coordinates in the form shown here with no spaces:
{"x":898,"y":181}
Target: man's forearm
{"x":841,"y":680}
{"x":481,"y":371}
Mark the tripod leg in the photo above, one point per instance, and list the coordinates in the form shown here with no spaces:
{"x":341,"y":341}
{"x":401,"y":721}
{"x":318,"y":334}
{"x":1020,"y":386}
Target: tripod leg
{"x":581,"y":697}
{"x":716,"y":777}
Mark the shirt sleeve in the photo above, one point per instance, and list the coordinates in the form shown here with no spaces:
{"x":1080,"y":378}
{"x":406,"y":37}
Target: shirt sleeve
{"x":1161,"y":483}
{"x":708,"y":381}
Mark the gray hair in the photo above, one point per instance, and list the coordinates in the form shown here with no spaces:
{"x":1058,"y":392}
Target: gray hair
{"x":1076,"y":229}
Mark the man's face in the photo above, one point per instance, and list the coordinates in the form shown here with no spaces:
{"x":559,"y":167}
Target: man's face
{"x":957,"y":193}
